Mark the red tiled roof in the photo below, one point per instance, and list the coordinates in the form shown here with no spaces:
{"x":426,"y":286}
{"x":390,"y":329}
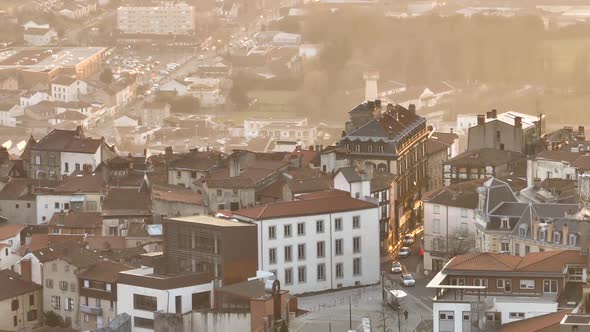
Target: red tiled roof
{"x":323,"y":194}
{"x":77,"y":219}
{"x":304,"y":208}
{"x":105,"y":271}
{"x":539,"y":323}
{"x":10,"y":230}
{"x":176,"y":194}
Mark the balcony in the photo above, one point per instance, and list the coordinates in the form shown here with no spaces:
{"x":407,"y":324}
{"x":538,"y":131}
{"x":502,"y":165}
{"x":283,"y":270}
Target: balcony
{"x":87,"y":309}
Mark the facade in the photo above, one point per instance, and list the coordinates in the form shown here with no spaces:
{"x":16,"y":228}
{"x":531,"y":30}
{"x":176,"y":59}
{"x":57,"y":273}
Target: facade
{"x":481,"y":164}
{"x":39,"y":36}
{"x":318,"y":244}
{"x":350,"y":180}
{"x":510,"y":131}
{"x":10,"y":242}
{"x":174,"y":201}
{"x":168,"y":19}
{"x":21,"y":303}
{"x":253,"y":126}
{"x":483,"y":291}
{"x":225,"y":249}
{"x":190,"y":167}
{"x":394,"y":141}
{"x":153,"y":114}
{"x":440,"y":147}
{"x":559,"y":165}
{"x":381,"y":191}
{"x":67,"y":89}
{"x":17,"y":201}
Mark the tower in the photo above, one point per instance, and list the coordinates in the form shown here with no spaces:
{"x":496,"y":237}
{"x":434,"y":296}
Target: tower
{"x":371,"y":91}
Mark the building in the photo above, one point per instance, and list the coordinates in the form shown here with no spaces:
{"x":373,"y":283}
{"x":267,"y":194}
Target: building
{"x":122,"y":208}
{"x":348,"y":179}
{"x":10,"y":242}
{"x":191,"y":166}
{"x":224,"y":248}
{"x":381,"y":191}
{"x":154,"y":113}
{"x":17,"y":201}
{"x":39,"y":36}
{"x":21,"y":302}
{"x":63,"y":152}
{"x":67,"y":89}
{"x":394,"y":141}
{"x":482,"y":163}
{"x":254,"y":125}
{"x":170,"y":18}
{"x":488,"y":290}
{"x":40,"y":65}
{"x":75,"y":223}
{"x":317,"y":244}
{"x":510,"y":131}
{"x":440,"y":147}
{"x":564,"y":165}
{"x":174,"y":201}
{"x":449,"y":222}
{"x":98,"y":294}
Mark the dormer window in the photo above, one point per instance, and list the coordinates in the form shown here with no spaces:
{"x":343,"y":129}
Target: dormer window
{"x":557,"y":237}
{"x":357,"y":148}
{"x":522,"y":231}
{"x":573,"y":239}
{"x":504,"y":224}
{"x":380,"y":148}
{"x":542,"y":235}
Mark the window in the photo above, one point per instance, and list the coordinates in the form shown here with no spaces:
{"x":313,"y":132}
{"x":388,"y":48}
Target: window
{"x":321,"y":249}
{"x":28,"y":205}
{"x":572,"y":240}
{"x":54,"y":267}
{"x":527,"y":284}
{"x":16,"y":206}
{"x":556,"y":237}
{"x":446,"y":315}
{"x":356,"y":222}
{"x":356,"y":244}
{"x":457,"y":281}
{"x":517,"y":249}
{"x":301,"y":274}
{"x":339,"y":271}
{"x":464,"y":213}
{"x":144,"y":323}
{"x":272,"y":256}
{"x":549,"y":286}
{"x":480,"y":282}
{"x":272,"y":232}
{"x":288,"y":276}
{"x":48,"y":283}
{"x":63,"y":285}
{"x":527,"y":249}
{"x":69,"y":304}
{"x":56,"y":205}
{"x":338,"y":224}
{"x":516,"y":315}
{"x":321,"y":272}
{"x":14,"y":321}
{"x":436,"y":209}
{"x":505,"y":246}
{"x":436,"y":226}
{"x":287,"y":231}
{"x":522,"y":231}
{"x":357,"y":195}
{"x":300,"y":228}
{"x":14,"y":305}
{"x":339,"y":248}
{"x":32,"y":315}
{"x":504,"y":224}
{"x":504,"y":284}
{"x":356,"y":266}
{"x":319,"y":226}
{"x":56,"y":302}
{"x":301,"y":251}
{"x":219,"y":192}
{"x":288,"y":256}
{"x":31,"y":300}
{"x":235,"y":192}
{"x":143,"y":302}
{"x":542,"y":235}
{"x":67,"y":167}
{"x":193,"y":175}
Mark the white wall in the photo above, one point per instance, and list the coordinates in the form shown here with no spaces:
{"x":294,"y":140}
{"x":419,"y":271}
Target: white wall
{"x":457,"y":308}
{"x":369,"y":254}
{"x":46,"y":206}
{"x":8,"y":254}
{"x":558,"y":170}
{"x":36,"y":268}
{"x":79,"y":158}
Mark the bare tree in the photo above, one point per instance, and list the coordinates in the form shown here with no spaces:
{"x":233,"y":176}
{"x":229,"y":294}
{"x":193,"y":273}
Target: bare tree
{"x":459,"y":242}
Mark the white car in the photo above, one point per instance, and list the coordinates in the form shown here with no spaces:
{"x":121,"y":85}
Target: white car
{"x":409,"y":239}
{"x":408,"y":280}
{"x":396,"y":267}
{"x":404,"y":252}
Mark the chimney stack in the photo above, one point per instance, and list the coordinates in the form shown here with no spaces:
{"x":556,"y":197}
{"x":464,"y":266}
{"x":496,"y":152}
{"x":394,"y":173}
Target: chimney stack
{"x":565,"y":232}
{"x":494,"y":114}
{"x":412,"y":108}
{"x":518,"y":122}
{"x":371,"y":91}
{"x":378,"y":103}
{"x":370,"y":105}
{"x":390,"y":107}
{"x":581,"y":133}
{"x":481,"y":120}
{"x":168,"y":151}
{"x":488,"y":115}
{"x":26,"y":270}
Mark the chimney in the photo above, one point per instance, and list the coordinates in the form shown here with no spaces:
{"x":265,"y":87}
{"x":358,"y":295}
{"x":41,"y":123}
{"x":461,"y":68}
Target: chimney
{"x":370,"y":106}
{"x":581,"y":133}
{"x":488,"y":115}
{"x":311,"y":148}
{"x":371,"y":91}
{"x":378,"y":103}
{"x":451,"y":130}
{"x":390,"y":107}
{"x":79,"y":132}
{"x":518,"y":122}
{"x":412,"y":108}
{"x":481,"y":119}
{"x":168,"y":151}
{"x":565,"y":233}
{"x":234,"y":166}
{"x":529,"y":173}
{"x":536,"y":231}
{"x":145,"y":152}
{"x":26,"y":269}
{"x":494,"y":114}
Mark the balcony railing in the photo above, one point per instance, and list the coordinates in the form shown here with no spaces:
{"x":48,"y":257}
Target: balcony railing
{"x":87,"y":309}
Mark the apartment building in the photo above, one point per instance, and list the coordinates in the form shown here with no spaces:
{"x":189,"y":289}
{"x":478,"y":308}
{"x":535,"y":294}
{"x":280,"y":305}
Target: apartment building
{"x":317,"y":244}
{"x":483,"y":291}
{"x":67,"y":89}
{"x":189,"y":167}
{"x":170,"y":18}
{"x":21,"y":302}
{"x":482,"y":163}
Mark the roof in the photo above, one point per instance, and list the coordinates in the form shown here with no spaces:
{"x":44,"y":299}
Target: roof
{"x":12,"y":284}
{"x":538,"y":323}
{"x":69,"y":251}
{"x":105,"y":271}
{"x":10,"y":230}
{"x":250,"y":289}
{"x":351,"y":174}
{"x":18,"y":189}
{"x":582,"y":162}
{"x":126,"y":201}
{"x":198,"y":160}
{"x":208,"y":221}
{"x":446,"y":138}
{"x":304,"y":208}
{"x":77,"y":219}
{"x":548,"y":262}
{"x":485,"y":157}
{"x":381,"y":180}
{"x":68,"y":141}
{"x":37,"y":242}
{"x":82,"y":183}
{"x":462,"y":195}
{"x":434,"y":146}
{"x":176,"y":194}
{"x":64,"y":80}
{"x":560,"y":156}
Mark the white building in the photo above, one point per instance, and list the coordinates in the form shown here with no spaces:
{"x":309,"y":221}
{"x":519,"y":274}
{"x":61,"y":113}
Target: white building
{"x":141,"y":292}
{"x":253,"y":125}
{"x":67,"y":89}
{"x":10,"y":240}
{"x":6,"y":118}
{"x":350,"y":180}
{"x":126,"y":121}
{"x":33,"y":98}
{"x":554,"y":165}
{"x":39,"y":36}
{"x":319,"y":242}
{"x":169,"y":18}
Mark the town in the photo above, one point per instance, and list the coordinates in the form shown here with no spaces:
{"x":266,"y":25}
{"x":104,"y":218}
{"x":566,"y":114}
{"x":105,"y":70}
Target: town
{"x":294,"y":165}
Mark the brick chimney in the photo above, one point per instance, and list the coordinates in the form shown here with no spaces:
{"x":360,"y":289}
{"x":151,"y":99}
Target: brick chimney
{"x":412,"y":108}
{"x":494,"y":114}
{"x":565,"y":233}
{"x":518,"y":122}
{"x":26,"y":269}
{"x":481,"y":120}
{"x":536,"y":231}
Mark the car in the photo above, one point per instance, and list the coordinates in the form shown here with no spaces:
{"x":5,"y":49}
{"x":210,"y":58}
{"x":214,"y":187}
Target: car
{"x":408,"y":280}
{"x":396,"y":267}
{"x":404,"y":252}
{"x":409,"y":239}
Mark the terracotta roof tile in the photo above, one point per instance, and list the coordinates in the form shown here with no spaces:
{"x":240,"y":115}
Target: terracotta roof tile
{"x":176,"y":194}
{"x":105,"y":271}
{"x":12,"y":284}
{"x":77,"y":219}
{"x":10,"y":230}
{"x":538,"y":323}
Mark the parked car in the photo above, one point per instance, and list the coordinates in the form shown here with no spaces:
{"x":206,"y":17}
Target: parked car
{"x":396,"y":267}
{"x":408,"y":280}
{"x":404,"y":252}
{"x":409,"y":239}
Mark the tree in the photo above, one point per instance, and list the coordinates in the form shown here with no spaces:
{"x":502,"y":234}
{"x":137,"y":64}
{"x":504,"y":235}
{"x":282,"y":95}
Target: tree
{"x":52,"y":319}
{"x":106,"y":76}
{"x":459,"y":242}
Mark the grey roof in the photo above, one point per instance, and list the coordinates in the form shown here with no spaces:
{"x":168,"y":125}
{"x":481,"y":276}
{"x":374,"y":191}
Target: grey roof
{"x":350,"y":174}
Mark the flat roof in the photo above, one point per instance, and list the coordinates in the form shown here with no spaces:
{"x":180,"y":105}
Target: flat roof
{"x":46,"y":58}
{"x":211,"y":221}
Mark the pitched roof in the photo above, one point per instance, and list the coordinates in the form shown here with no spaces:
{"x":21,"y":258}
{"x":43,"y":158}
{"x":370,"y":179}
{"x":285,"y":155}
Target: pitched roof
{"x":126,"y":201}
{"x":198,"y":160}
{"x":176,"y":194}
{"x":381,"y":180}
{"x":434,"y":146}
{"x":70,"y":251}
{"x":12,"y":284}
{"x":538,"y":323}
{"x":105,"y":271}
{"x":64,"y":80}
{"x":10,"y":230}
{"x":68,"y":141}
{"x":446,"y":138}
{"x":485,"y":157}
{"x":76,"y":219}
{"x":558,"y":156}
{"x":304,"y":208}
{"x":582,"y":162}
{"x":390,"y":125}
{"x":463,"y":195}
{"x":351,"y":174}
{"x":548,"y":261}
{"x":82,"y":183}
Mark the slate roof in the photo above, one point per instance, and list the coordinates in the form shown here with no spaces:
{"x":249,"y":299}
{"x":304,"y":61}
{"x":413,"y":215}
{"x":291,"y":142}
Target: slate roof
{"x":68,"y":141}
{"x":391,"y":125}
{"x":381,"y":180}
{"x":463,"y":195}
{"x":351,"y":174}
